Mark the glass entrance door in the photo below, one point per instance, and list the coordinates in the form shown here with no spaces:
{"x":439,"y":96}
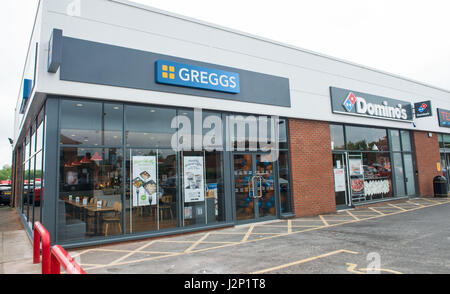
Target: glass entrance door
{"x":340,"y":179}
{"x":254,"y":183}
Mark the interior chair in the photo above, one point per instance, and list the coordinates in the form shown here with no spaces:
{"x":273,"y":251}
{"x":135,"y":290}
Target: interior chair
{"x":166,"y":206}
{"x":113,"y":220}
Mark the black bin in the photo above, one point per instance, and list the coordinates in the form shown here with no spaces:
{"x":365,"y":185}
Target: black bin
{"x":440,"y":186}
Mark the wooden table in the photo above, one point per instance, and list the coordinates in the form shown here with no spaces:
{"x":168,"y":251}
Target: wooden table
{"x":91,"y":208}
{"x":97,"y":211}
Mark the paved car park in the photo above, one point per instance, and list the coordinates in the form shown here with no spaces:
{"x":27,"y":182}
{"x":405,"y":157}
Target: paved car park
{"x":412,"y":236}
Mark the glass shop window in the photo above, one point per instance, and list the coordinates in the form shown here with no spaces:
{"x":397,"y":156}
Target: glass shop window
{"x":90,"y":197}
{"x":151,"y":190}
{"x":148,"y":126}
{"x":202,"y":184}
{"x":366,"y":139}
{"x":337,"y":137}
{"x":377,"y":175}
{"x":91,"y":123}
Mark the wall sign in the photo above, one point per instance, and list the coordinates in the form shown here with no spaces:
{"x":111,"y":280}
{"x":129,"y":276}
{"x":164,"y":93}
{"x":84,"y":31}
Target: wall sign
{"x":444,"y":117}
{"x":185,"y":75}
{"x":350,"y":102}
{"x":135,"y":69}
{"x":54,"y":57}
{"x":423,"y":109}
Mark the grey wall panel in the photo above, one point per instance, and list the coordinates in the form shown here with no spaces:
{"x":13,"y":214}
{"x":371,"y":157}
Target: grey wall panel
{"x":98,"y":63}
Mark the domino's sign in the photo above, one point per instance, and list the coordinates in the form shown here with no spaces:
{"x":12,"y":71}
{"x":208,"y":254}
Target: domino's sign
{"x":423,"y":109}
{"x":185,"y":75}
{"x":350,"y":102}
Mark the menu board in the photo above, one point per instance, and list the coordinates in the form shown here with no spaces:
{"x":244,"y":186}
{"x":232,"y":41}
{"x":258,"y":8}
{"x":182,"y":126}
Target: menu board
{"x":194,"y":188}
{"x":144,"y":181}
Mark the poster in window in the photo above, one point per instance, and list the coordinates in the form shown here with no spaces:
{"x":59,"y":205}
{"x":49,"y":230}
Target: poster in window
{"x":194,"y":188}
{"x":339,"y":180}
{"x":211,"y":192}
{"x":144,"y":180}
{"x":356,"y":168}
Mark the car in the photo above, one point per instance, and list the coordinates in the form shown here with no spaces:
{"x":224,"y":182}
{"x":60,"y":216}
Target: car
{"x":36,"y":193}
{"x":5,"y":194}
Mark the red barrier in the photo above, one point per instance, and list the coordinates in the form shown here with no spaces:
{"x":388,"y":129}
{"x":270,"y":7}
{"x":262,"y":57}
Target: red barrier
{"x":61,"y":257}
{"x":39,"y":233}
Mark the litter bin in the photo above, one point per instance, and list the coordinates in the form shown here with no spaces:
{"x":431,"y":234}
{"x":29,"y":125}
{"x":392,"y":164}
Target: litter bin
{"x":440,"y":186}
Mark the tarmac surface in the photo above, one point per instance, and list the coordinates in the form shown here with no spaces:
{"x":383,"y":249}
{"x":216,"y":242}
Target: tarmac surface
{"x":392,"y":238}
{"x":410,"y":236}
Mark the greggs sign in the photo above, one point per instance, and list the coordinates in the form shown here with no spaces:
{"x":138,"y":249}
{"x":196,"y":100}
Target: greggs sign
{"x":186,"y":75}
{"x":350,"y":102}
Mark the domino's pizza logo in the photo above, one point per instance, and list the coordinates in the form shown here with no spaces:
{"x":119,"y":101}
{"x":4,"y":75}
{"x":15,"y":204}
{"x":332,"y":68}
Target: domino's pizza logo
{"x":422,"y":107}
{"x":349,"y":102}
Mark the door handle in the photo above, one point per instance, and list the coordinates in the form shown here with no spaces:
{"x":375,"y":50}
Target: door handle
{"x":260,"y":194}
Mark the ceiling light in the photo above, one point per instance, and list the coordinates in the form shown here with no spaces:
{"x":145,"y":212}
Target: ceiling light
{"x":79,"y":105}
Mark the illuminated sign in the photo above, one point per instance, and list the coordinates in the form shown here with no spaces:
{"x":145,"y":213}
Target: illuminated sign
{"x":423,"y":109}
{"x":350,"y":102}
{"x":444,"y":117}
{"x":185,"y":75}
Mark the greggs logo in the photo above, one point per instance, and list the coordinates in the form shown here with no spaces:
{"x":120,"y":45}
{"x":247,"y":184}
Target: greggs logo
{"x":185,"y":75}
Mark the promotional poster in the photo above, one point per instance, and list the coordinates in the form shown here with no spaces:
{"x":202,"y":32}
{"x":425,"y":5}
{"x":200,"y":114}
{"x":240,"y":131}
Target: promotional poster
{"x":194,"y":190}
{"x":144,"y":180}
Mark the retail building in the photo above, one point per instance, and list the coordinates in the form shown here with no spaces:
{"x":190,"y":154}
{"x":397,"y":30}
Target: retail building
{"x":134,"y":122}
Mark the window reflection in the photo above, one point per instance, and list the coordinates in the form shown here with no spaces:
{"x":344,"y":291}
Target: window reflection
{"x":148,"y":126}
{"x":337,"y":137}
{"x":366,"y":139}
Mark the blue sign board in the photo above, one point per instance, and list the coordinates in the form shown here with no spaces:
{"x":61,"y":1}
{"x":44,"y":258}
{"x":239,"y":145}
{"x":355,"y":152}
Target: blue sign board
{"x":185,"y":75}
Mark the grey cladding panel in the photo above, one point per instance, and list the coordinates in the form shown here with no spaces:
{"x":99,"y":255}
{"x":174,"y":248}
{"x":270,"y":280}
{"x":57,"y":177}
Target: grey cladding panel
{"x":98,"y":63}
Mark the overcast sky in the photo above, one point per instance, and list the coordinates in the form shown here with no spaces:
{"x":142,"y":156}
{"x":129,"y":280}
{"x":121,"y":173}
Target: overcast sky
{"x":407,"y":38}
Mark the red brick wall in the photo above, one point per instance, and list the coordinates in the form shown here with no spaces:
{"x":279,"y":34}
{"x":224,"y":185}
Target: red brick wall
{"x":427,"y":156}
{"x":311,"y":167}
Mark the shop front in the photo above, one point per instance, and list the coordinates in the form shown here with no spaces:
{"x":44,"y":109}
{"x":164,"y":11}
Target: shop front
{"x":129,"y":171}
{"x":154,"y":124}
{"x":371,"y":164}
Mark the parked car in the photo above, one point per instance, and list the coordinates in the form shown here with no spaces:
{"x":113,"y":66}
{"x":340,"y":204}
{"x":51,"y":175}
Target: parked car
{"x":28,"y":198}
{"x":5,"y":194}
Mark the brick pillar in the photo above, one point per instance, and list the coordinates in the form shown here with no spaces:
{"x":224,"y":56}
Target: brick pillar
{"x":311,"y":167}
{"x":427,"y":156}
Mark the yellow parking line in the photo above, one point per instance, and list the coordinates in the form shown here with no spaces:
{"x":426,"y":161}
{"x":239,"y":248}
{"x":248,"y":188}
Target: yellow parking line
{"x":352,"y":215}
{"x":379,"y":212}
{"x":131,"y":253}
{"x":196,"y":243}
{"x":248,"y":233}
{"x":324,"y":221}
{"x":303,"y":261}
{"x":397,"y":207}
{"x":414,"y":203}
{"x":430,"y":201}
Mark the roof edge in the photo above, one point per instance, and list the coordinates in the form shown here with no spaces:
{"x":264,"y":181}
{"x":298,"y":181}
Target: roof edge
{"x":186,"y":18}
